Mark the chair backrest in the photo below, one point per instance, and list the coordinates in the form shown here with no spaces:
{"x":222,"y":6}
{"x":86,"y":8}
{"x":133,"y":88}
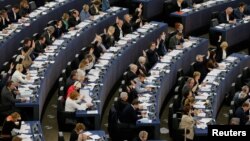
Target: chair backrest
{"x":60,"y":136}
{"x":51,"y":23}
{"x":214,"y":22}
{"x":215,"y":15}
{"x":170,"y":119}
{"x":7,"y":7}
{"x":32,"y":5}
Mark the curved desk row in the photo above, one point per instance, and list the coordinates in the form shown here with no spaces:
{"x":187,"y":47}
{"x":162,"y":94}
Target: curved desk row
{"x":233,"y":33}
{"x":65,"y":50}
{"x":112,"y":69}
{"x":151,"y":8}
{"x":9,"y":46}
{"x":218,"y":82}
{"x":200,"y":17}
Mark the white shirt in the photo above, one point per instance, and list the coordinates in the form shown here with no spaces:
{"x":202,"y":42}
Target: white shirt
{"x":224,"y":54}
{"x":72,"y":105}
{"x":18,"y":77}
{"x":227,"y":17}
{"x":121,"y":33}
{"x":81,"y":73}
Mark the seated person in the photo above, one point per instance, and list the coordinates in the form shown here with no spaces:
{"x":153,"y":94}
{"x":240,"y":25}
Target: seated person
{"x":74,"y":103}
{"x":227,"y":16}
{"x":140,"y":87}
{"x":48,"y":34}
{"x":130,"y":115}
{"x":152,"y":55}
{"x":129,"y":87}
{"x":27,"y":53}
{"x":242,"y":96}
{"x":95,"y":7}
{"x":40,"y":45}
{"x":175,"y":42}
{"x":58,"y":29}
{"x":187,"y":123}
{"x":24,"y":8}
{"x":18,"y":77}
{"x":196,"y":76}
{"x":118,"y":29}
{"x":142,"y":68}
{"x":84,"y":14}
{"x":239,"y":12}
{"x":211,"y":63}
{"x":72,"y":79}
{"x":121,"y":103}
{"x":13,"y":121}
{"x":4,"y":20}
{"x":108,"y":38}
{"x":98,"y":46}
{"x":221,"y":51}
{"x":8,"y":96}
{"x":81,"y":71}
{"x":74,"y":19}
{"x":241,"y":113}
{"x":75,"y":87}
{"x":14,"y":14}
{"x":131,"y":74}
{"x":189,"y":86}
{"x":179,"y":4}
{"x":200,"y":66}
{"x":128,"y":25}
{"x":143,"y":136}
{"x":161,"y":45}
{"x":77,"y":133}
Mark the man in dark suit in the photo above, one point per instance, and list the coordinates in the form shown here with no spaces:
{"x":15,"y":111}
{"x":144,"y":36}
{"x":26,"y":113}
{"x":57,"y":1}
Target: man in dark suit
{"x":74,"y":19}
{"x":175,"y":41}
{"x":142,"y":69}
{"x":127,"y":25}
{"x":40,"y":45}
{"x":8,"y":95}
{"x":227,"y":16}
{"x":48,"y":34}
{"x":161,"y":49}
{"x":239,"y":12}
{"x":131,"y":74}
{"x":130,"y":114}
{"x":200,"y":66}
{"x":152,"y":55}
{"x":241,"y":113}
{"x":4,"y":21}
{"x":14,"y":14}
{"x":121,"y":103}
{"x":118,"y":30}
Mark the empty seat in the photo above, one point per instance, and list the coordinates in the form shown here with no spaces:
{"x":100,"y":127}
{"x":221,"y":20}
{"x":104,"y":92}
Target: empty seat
{"x":32,"y":5}
{"x":36,"y":36}
{"x":51,"y":23}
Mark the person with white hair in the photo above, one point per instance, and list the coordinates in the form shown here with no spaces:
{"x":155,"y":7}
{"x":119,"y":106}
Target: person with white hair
{"x":227,"y":16}
{"x":142,"y":68}
{"x":131,"y":74}
{"x":122,"y":102}
{"x":18,"y":77}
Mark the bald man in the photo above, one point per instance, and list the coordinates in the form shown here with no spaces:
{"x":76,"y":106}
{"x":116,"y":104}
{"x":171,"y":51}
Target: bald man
{"x":227,"y":16}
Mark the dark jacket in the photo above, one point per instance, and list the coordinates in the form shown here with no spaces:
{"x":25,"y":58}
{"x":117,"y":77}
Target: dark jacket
{"x":223,"y":17}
